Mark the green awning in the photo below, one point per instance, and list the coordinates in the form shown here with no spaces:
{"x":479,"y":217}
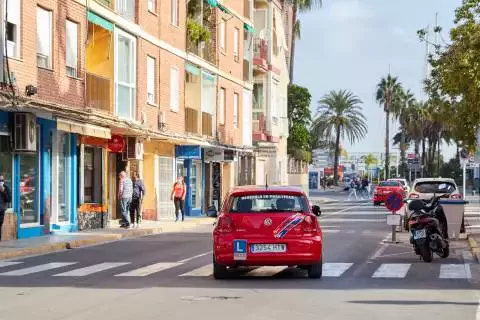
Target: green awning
{"x":192,"y":69}
{"x":99,"y":21}
{"x":222,"y":7}
{"x":248,"y":28}
{"x":208,"y":76}
{"x":213,"y":3}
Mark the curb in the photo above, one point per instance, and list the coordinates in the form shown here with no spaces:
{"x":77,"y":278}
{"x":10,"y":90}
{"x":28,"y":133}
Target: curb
{"x":474,"y":248}
{"x":101,"y":238}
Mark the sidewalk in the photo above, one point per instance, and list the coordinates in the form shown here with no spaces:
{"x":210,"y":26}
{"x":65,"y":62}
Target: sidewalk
{"x":472,"y":224}
{"x":52,"y":243}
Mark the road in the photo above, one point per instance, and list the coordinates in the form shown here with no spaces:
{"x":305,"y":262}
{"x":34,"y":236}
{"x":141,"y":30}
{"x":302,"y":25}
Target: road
{"x":168,"y":276}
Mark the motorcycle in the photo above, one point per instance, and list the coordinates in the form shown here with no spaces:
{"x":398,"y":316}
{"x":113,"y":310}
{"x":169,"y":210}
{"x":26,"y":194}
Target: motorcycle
{"x":428,"y":227}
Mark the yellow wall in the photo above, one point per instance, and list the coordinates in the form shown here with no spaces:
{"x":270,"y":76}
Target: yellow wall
{"x":193,"y":94}
{"x":149,"y":181}
{"x":100,"y":51}
{"x":159,"y":148}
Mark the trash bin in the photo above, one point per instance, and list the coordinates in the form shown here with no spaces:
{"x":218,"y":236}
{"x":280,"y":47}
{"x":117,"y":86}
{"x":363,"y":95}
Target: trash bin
{"x":454,"y":212}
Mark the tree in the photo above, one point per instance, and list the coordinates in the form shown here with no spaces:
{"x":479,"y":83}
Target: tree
{"x":339,"y":116}
{"x":300,"y":117}
{"x":389,"y":93}
{"x":402,"y":114}
{"x":370,"y":160}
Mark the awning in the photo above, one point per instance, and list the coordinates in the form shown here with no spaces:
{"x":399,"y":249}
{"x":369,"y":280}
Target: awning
{"x":192,"y":69}
{"x":248,"y":28}
{"x":83,"y":129}
{"x":208,"y":76}
{"x":213,"y":3}
{"x":223,"y":8}
{"x":99,"y":21}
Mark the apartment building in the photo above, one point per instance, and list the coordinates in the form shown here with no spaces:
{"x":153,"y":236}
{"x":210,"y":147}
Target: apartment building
{"x":271,"y":79}
{"x":95,"y":87}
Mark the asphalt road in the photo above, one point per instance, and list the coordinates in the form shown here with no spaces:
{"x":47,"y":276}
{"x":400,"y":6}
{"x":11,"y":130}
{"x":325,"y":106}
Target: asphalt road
{"x":168,"y":276}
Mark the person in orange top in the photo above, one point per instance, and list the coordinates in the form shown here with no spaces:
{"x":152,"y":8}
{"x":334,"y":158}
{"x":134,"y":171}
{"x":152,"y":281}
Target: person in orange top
{"x":179,"y":191}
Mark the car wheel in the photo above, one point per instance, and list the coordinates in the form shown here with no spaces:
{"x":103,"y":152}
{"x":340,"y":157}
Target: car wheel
{"x":376,"y":204}
{"x":315,"y":270}
{"x":219,"y":271}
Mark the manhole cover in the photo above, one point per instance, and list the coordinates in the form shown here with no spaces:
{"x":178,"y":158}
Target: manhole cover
{"x":209,"y":298}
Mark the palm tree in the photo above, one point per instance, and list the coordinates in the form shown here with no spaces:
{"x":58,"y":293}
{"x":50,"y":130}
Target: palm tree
{"x":302,"y":6}
{"x":403,"y":114}
{"x":370,"y":160}
{"x":388,"y":94}
{"x":339,"y":115}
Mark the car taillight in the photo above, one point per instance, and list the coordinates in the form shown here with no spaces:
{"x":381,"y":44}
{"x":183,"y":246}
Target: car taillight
{"x":456,"y":196}
{"x":309,"y":225}
{"x":413,"y":196}
{"x":225,"y":224}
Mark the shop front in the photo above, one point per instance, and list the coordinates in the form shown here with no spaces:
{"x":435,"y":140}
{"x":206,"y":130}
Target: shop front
{"x":213,"y":158}
{"x":189,"y":159}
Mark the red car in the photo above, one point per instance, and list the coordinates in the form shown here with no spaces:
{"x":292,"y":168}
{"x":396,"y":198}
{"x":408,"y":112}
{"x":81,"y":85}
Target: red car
{"x":384,"y":189}
{"x":267,"y":226}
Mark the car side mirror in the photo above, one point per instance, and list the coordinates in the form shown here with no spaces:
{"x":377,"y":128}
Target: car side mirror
{"x":316,"y":210}
{"x":212,"y":212}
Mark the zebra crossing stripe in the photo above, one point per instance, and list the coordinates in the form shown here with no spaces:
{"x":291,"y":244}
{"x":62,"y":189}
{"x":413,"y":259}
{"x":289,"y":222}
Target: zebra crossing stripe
{"x":455,"y":271}
{"x":91,"y":269}
{"x":204,"y":271}
{"x":8,"y":263}
{"x":36,"y":269}
{"x":392,"y":270}
{"x":335,"y":270}
{"x":148,"y":270}
{"x":330,"y":231}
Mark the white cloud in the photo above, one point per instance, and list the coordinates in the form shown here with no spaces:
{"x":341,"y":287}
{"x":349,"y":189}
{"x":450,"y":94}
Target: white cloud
{"x":346,"y":11}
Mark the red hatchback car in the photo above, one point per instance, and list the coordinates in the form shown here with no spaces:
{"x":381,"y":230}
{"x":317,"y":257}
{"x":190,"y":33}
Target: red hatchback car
{"x":384,"y":189}
{"x":267,"y":226}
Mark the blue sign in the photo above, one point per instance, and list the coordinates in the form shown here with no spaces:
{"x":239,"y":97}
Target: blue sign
{"x":394,"y":202}
{"x":188,"y":152}
{"x":239,"y":249}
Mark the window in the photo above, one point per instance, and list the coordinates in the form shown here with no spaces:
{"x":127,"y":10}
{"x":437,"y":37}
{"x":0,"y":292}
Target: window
{"x":6,"y":161}
{"x":92,"y":175}
{"x":63,"y":176}
{"x":151,"y":80}
{"x":125,"y":74}
{"x":222,"y":35}
{"x":221,"y":106}
{"x":235,"y":110}
{"x":29,"y":192}
{"x":72,"y":48}
{"x":174,"y":12}
{"x":174,"y":89}
{"x":13,"y":29}
{"x":125,"y":8}
{"x":152,"y":5}
{"x":196,"y":184}
{"x":261,"y":203}
{"x":236,"y":44}
{"x":44,"y":38}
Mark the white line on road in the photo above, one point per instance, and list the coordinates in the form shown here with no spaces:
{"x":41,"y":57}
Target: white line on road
{"x":340,"y":211}
{"x":455,"y":271}
{"x":330,"y":231}
{"x":148,"y":270}
{"x":8,"y":263}
{"x":381,"y":249}
{"x":335,"y":269}
{"x":36,"y":269}
{"x":204,"y":271}
{"x":392,"y":270}
{"x":195,"y":257}
{"x":91,"y":269}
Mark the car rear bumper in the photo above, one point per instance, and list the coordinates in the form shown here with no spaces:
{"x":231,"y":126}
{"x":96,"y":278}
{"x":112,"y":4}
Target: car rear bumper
{"x":299,"y":252}
{"x":379,"y":197}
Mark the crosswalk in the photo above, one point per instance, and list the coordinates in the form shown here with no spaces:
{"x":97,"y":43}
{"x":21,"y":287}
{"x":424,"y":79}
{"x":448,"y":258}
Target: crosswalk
{"x":183,"y":270}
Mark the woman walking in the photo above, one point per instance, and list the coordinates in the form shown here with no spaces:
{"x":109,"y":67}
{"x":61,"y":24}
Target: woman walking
{"x":179,"y":191}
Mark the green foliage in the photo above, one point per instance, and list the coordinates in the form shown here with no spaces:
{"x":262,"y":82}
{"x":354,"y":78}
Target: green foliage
{"x":196,"y":32}
{"x":299,"y":118}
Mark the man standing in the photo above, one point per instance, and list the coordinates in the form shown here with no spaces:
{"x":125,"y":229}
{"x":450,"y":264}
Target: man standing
{"x":125,"y":192}
{"x":137,"y":199}
{"x":179,"y":191}
{"x":5,"y":199}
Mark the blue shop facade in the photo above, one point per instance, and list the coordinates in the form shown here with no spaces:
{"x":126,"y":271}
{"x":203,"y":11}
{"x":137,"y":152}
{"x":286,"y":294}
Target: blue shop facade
{"x":39,"y":163}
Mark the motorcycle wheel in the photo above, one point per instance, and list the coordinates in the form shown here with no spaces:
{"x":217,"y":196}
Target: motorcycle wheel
{"x":427,"y":253}
{"x":445,"y":252}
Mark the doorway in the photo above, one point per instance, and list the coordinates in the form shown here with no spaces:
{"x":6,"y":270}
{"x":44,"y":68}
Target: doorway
{"x":116,"y":164}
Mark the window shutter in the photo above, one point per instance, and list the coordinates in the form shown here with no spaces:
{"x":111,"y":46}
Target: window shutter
{"x":235,"y":109}
{"x":174,"y":89}
{"x":72,"y":44}
{"x":221,"y":104}
{"x":151,"y":79}
{"x":44,"y":32}
{"x":13,"y":8}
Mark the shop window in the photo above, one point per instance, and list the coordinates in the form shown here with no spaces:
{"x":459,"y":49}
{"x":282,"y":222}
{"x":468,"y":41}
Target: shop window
{"x":29,"y":177}
{"x":63,"y":169}
{"x":6,"y":160}
{"x":196,"y":184}
{"x":92,"y":175}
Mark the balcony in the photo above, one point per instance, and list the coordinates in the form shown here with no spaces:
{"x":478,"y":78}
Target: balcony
{"x":202,"y":30}
{"x":191,"y":121}
{"x":260,"y":53}
{"x":106,"y":3}
{"x":98,"y":92}
{"x":207,"y":125}
{"x":259,"y":127}
{"x":124,"y":8}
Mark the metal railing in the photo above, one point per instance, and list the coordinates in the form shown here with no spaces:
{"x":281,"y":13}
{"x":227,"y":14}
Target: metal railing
{"x":260,"y":52}
{"x":98,"y":92}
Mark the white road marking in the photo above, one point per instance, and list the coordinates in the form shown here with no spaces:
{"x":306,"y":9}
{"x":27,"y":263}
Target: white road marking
{"x":335,"y":269}
{"x":91,"y":269}
{"x":330,"y":231}
{"x":195,"y":257}
{"x":477,"y":316}
{"x":455,"y":271}
{"x":381,"y":249}
{"x":392,"y":270}
{"x":467,"y":256}
{"x":36,"y":269}
{"x":266,"y":271}
{"x":327,"y":214}
{"x":148,"y":270}
{"x":350,"y":232}
{"x":352,"y":220}
{"x":204,"y":271}
{"x":8,"y":263}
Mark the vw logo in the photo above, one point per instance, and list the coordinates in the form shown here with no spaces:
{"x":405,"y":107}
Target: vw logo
{"x":267,"y":222}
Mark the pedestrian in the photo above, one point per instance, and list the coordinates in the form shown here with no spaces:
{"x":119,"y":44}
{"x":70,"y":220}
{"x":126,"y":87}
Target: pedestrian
{"x":5,"y":199}
{"x":125,"y":192}
{"x":137,"y":199}
{"x":179,"y":191}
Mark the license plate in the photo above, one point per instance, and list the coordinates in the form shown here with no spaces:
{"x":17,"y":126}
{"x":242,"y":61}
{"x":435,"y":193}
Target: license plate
{"x":420,"y":234}
{"x":268,"y":248}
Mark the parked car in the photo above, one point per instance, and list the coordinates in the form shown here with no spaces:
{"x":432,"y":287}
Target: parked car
{"x":267,"y":226}
{"x":383,"y":190}
{"x":403,"y":182}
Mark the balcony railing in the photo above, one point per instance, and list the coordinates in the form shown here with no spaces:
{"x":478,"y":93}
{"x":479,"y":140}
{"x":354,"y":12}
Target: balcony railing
{"x":207,"y":124}
{"x":98,"y":92}
{"x":126,"y":8}
{"x":258,"y":122}
{"x":106,"y":3}
{"x":191,"y":120}
{"x":260,"y":53}
{"x":204,"y":50}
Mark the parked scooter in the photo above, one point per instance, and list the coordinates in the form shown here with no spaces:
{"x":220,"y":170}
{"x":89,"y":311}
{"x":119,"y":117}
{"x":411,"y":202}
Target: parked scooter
{"x":429,"y":229}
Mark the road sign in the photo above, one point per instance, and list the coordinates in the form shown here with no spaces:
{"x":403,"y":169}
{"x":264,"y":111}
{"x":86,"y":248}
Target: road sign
{"x":394,"y":201}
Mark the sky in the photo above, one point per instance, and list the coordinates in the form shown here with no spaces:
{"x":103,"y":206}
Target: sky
{"x":352,"y":44}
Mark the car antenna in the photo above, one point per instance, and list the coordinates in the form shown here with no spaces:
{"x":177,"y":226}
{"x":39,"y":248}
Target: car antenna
{"x":266,"y":181}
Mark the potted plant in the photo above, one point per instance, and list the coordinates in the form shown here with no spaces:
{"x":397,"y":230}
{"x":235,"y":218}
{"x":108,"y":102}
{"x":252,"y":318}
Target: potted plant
{"x":196,"y":32}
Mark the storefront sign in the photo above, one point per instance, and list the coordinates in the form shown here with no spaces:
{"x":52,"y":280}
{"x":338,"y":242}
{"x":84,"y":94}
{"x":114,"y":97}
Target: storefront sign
{"x":213,"y":155}
{"x":228,"y":155}
{"x":188,"y":152}
{"x":116,"y":143}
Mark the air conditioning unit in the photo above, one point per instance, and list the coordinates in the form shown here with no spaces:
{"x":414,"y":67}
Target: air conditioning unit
{"x":134,"y":148}
{"x":25,"y":132}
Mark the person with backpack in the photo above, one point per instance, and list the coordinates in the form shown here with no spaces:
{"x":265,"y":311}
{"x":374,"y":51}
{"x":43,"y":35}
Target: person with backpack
{"x":179,"y":191}
{"x":5,"y":199}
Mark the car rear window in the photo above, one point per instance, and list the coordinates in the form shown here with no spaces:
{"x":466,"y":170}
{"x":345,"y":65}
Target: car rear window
{"x":389,"y":184}
{"x":258,"y":203}
{"x":434,"y":187}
